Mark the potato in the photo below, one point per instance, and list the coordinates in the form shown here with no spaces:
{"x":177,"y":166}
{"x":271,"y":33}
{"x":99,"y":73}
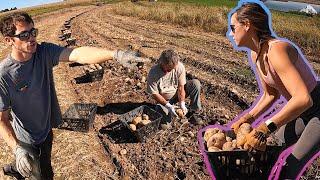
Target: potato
{"x":209,"y":132}
{"x":213,"y":149}
{"x":241,"y":139}
{"x":217,"y":140}
{"x":234,"y":143}
{"x":228,"y":139}
{"x":245,"y":128}
{"x":180,"y":113}
{"x":145,"y":122}
{"x":227,"y":146}
{"x":133,"y":127}
{"x":136,"y":120}
{"x":145,"y":117}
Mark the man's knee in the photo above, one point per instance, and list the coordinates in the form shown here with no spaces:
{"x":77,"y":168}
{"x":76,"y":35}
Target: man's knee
{"x":196,"y":84}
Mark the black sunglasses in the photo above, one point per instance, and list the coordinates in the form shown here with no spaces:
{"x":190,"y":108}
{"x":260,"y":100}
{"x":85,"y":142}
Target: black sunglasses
{"x":25,"y":35}
{"x":232,"y":27}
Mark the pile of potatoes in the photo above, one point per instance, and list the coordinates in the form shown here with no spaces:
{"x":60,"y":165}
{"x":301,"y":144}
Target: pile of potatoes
{"x":217,"y":140}
{"x":139,"y":122}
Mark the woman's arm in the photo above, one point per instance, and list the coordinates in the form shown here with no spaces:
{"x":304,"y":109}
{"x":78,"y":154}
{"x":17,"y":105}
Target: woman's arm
{"x":281,"y":57}
{"x":269,"y":96}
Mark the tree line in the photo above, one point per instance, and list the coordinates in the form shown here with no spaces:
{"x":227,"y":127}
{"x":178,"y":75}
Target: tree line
{"x":5,"y":10}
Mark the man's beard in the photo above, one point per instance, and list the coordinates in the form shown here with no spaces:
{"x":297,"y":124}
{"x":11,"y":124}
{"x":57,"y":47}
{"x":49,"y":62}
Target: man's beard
{"x":27,"y":51}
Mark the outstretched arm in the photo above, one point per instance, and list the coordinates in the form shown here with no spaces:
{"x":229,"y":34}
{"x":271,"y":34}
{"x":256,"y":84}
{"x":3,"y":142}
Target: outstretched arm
{"x":87,"y":55}
{"x":95,"y":55}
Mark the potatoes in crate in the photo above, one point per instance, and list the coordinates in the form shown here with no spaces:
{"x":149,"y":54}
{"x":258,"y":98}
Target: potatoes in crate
{"x":139,"y":122}
{"x":228,"y":146}
{"x":145,"y":117}
{"x":244,"y":129}
{"x":209,"y":132}
{"x":136,"y":120}
{"x":213,"y":149}
{"x":133,"y":127}
{"x":217,"y":140}
{"x":145,"y":122}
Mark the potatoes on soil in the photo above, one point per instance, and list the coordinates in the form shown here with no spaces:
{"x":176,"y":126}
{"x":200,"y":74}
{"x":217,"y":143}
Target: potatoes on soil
{"x":180,"y":113}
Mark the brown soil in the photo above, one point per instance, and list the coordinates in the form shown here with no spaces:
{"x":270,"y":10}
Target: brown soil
{"x":228,"y":87}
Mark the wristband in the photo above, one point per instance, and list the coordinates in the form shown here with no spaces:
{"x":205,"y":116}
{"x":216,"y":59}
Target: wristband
{"x":271,"y":126}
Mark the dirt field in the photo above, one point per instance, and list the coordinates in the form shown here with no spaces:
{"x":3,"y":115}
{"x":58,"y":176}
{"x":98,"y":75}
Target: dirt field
{"x":228,"y":87}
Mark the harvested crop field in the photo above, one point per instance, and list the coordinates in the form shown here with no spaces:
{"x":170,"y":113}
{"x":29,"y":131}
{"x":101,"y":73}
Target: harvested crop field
{"x":228,"y":88}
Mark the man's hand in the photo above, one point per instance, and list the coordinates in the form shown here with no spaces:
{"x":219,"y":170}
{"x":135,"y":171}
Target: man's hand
{"x":257,"y":138}
{"x":23,"y":161}
{"x":183,"y":107}
{"x":171,"y":109}
{"x":247,"y":118}
{"x":129,"y":58}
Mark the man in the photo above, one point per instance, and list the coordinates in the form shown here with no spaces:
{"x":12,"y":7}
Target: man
{"x":167,"y":84}
{"x":27,"y":92}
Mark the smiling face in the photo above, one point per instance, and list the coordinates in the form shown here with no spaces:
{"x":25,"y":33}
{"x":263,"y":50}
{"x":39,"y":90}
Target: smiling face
{"x":238,"y":31}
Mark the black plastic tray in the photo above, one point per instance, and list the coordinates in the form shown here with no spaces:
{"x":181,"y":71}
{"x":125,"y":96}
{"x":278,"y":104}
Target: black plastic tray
{"x":146,"y":131}
{"x":96,"y":75}
{"x":79,"y":117}
{"x":242,"y":164}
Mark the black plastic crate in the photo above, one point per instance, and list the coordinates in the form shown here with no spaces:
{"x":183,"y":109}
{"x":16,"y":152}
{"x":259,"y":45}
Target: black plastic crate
{"x":145,"y":131}
{"x":242,"y":164}
{"x":96,"y":75}
{"x":79,"y":117}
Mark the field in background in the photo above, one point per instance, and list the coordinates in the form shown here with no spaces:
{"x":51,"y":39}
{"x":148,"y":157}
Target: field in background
{"x":117,"y":31}
{"x":302,"y":30}
{"x":42,"y":9}
{"x":227,"y":3}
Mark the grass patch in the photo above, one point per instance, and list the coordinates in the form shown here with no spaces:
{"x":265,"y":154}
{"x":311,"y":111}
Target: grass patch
{"x":218,"y":3}
{"x":208,"y":18}
{"x":211,"y":16}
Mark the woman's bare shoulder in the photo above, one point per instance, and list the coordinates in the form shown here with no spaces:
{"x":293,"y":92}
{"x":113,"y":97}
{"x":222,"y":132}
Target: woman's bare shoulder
{"x":278,"y":48}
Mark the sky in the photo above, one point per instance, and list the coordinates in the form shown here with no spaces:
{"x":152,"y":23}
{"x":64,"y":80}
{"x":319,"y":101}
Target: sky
{"x":7,"y":4}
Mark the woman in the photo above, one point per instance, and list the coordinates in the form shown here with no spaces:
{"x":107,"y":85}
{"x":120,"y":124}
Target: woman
{"x":282,"y":71}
